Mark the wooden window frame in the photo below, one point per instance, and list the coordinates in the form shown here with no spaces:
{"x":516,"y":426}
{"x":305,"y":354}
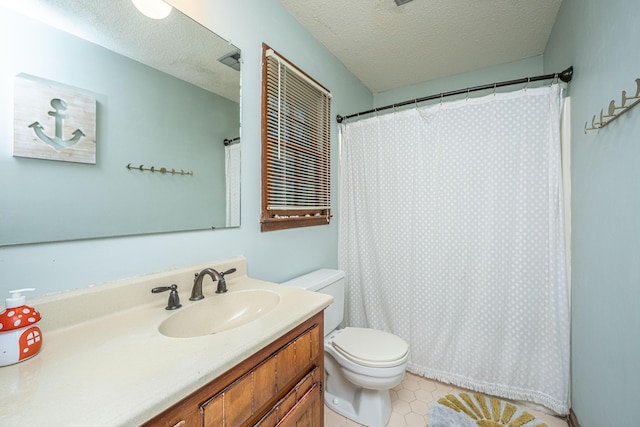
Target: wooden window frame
{"x":294,"y":215}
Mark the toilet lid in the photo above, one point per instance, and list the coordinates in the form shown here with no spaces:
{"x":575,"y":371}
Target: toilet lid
{"x":370,"y":347}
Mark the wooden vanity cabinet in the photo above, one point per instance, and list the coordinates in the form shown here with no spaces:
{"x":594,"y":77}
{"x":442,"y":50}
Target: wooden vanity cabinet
{"x":280,"y":385}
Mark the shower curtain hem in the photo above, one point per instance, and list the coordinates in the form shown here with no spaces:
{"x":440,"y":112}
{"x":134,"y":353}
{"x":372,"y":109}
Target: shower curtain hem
{"x":559,"y":408}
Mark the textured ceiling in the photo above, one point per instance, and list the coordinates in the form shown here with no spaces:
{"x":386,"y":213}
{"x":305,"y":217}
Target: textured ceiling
{"x":388,"y":46}
{"x":175,"y":45}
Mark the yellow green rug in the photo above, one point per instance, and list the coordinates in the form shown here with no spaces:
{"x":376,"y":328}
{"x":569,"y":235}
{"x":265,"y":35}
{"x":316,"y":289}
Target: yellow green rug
{"x":474,"y":409}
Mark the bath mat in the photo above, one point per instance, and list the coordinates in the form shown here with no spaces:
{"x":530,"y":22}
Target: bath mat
{"x":474,"y":409}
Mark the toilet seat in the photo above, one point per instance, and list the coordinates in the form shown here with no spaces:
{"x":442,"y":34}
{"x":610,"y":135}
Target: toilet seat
{"x":370,"y":347}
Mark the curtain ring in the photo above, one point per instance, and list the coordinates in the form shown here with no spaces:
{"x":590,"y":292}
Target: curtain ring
{"x":467,"y":97}
{"x":494,"y":89}
{"x":441,"y":98}
{"x":526,"y":85}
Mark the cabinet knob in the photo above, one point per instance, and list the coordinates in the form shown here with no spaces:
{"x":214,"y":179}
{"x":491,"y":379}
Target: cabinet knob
{"x":180,"y":424}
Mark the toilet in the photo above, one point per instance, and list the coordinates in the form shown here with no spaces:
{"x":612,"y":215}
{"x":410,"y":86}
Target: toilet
{"x":361,"y":364}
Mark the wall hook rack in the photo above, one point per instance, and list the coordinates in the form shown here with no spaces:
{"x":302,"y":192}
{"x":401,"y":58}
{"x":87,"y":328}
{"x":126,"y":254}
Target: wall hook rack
{"x":161,"y":170}
{"x":614,"y":111}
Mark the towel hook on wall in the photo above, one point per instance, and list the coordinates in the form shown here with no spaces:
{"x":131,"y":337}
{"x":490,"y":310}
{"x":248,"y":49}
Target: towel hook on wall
{"x":614,"y":111}
{"x":161,"y":170}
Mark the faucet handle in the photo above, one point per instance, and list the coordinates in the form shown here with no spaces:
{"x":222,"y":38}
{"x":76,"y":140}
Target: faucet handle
{"x":231,"y":270}
{"x":222,"y":283}
{"x":174,"y":299}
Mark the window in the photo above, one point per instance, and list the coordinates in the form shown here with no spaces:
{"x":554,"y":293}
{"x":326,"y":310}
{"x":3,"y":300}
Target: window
{"x":296,"y":146}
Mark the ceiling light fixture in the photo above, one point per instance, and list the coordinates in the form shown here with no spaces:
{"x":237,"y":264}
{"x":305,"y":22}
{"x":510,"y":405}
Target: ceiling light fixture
{"x":154,"y":9}
{"x":401,"y":2}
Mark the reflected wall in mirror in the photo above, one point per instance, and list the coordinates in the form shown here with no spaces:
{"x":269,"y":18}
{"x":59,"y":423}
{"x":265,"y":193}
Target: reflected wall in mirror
{"x":165,"y":99}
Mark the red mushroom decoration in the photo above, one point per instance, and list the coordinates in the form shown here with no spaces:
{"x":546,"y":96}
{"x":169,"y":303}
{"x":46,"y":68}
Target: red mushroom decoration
{"x":20,"y":338}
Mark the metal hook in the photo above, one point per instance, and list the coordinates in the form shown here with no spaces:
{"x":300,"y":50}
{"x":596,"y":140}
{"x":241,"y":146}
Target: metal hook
{"x":626,"y":98}
{"x":526,"y":85}
{"x":467,"y":97}
{"x":614,"y":111}
{"x":494,"y":89}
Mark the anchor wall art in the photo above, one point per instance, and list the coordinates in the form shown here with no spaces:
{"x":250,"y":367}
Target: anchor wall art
{"x":52,"y":122}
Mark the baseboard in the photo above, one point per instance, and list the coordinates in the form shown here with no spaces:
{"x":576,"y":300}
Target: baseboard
{"x":572,"y":419}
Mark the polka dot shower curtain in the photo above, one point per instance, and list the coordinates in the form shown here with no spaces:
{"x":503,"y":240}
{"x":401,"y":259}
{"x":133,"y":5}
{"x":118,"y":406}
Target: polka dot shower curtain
{"x":232,"y":184}
{"x":451,"y":236}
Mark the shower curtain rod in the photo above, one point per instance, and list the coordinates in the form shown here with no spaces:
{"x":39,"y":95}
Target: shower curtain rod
{"x":565,"y":76}
{"x":235,"y":140}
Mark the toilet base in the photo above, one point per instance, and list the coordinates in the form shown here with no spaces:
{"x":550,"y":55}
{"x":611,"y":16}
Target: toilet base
{"x":365,"y":406}
{"x":371,"y":408}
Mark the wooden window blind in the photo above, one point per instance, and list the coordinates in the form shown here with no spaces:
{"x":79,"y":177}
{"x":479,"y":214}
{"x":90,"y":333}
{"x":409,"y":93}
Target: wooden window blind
{"x":296,"y":146}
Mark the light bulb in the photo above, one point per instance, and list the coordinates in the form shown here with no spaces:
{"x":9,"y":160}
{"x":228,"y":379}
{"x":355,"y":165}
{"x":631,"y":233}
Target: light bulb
{"x":155,"y":9}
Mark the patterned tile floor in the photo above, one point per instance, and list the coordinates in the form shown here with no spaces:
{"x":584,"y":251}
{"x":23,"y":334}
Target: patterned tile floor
{"x":411,"y":401}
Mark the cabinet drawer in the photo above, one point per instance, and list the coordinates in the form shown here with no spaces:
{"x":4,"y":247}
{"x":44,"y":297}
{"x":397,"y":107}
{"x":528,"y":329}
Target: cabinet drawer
{"x":307,"y":411}
{"x":295,"y":403}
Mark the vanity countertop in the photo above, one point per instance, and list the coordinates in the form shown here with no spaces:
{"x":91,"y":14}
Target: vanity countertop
{"x":104,"y":363}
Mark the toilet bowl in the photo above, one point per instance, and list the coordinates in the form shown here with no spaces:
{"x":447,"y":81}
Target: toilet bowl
{"x":358,"y":378}
{"x":361,"y":364}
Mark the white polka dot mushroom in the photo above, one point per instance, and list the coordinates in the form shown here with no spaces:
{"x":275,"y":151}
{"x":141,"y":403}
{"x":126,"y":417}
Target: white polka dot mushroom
{"x":20,"y":338}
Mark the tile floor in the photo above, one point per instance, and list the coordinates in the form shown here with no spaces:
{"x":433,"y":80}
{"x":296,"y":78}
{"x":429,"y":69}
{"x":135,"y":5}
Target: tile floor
{"x":411,"y":401}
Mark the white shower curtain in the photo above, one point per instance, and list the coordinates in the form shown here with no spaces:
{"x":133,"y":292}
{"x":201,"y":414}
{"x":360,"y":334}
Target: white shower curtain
{"x":232,"y":184}
{"x":451,"y":236}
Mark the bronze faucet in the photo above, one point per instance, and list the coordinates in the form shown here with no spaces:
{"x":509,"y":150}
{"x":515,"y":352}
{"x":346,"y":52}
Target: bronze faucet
{"x":196,"y":291}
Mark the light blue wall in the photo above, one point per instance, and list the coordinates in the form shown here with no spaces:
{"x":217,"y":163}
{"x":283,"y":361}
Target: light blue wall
{"x":277,"y":255}
{"x":514,"y":70}
{"x":602,"y":40}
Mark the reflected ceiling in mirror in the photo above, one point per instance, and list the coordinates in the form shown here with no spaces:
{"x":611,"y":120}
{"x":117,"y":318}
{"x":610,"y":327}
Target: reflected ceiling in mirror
{"x":167,"y":98}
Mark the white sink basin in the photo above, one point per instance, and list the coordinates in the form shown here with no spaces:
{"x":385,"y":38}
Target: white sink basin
{"x":219,"y":313}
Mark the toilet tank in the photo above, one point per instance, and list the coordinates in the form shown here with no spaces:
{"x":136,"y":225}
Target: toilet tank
{"x":329,"y":282}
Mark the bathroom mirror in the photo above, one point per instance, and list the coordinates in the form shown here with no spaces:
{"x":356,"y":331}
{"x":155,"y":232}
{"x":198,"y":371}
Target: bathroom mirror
{"x":166,"y":117}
